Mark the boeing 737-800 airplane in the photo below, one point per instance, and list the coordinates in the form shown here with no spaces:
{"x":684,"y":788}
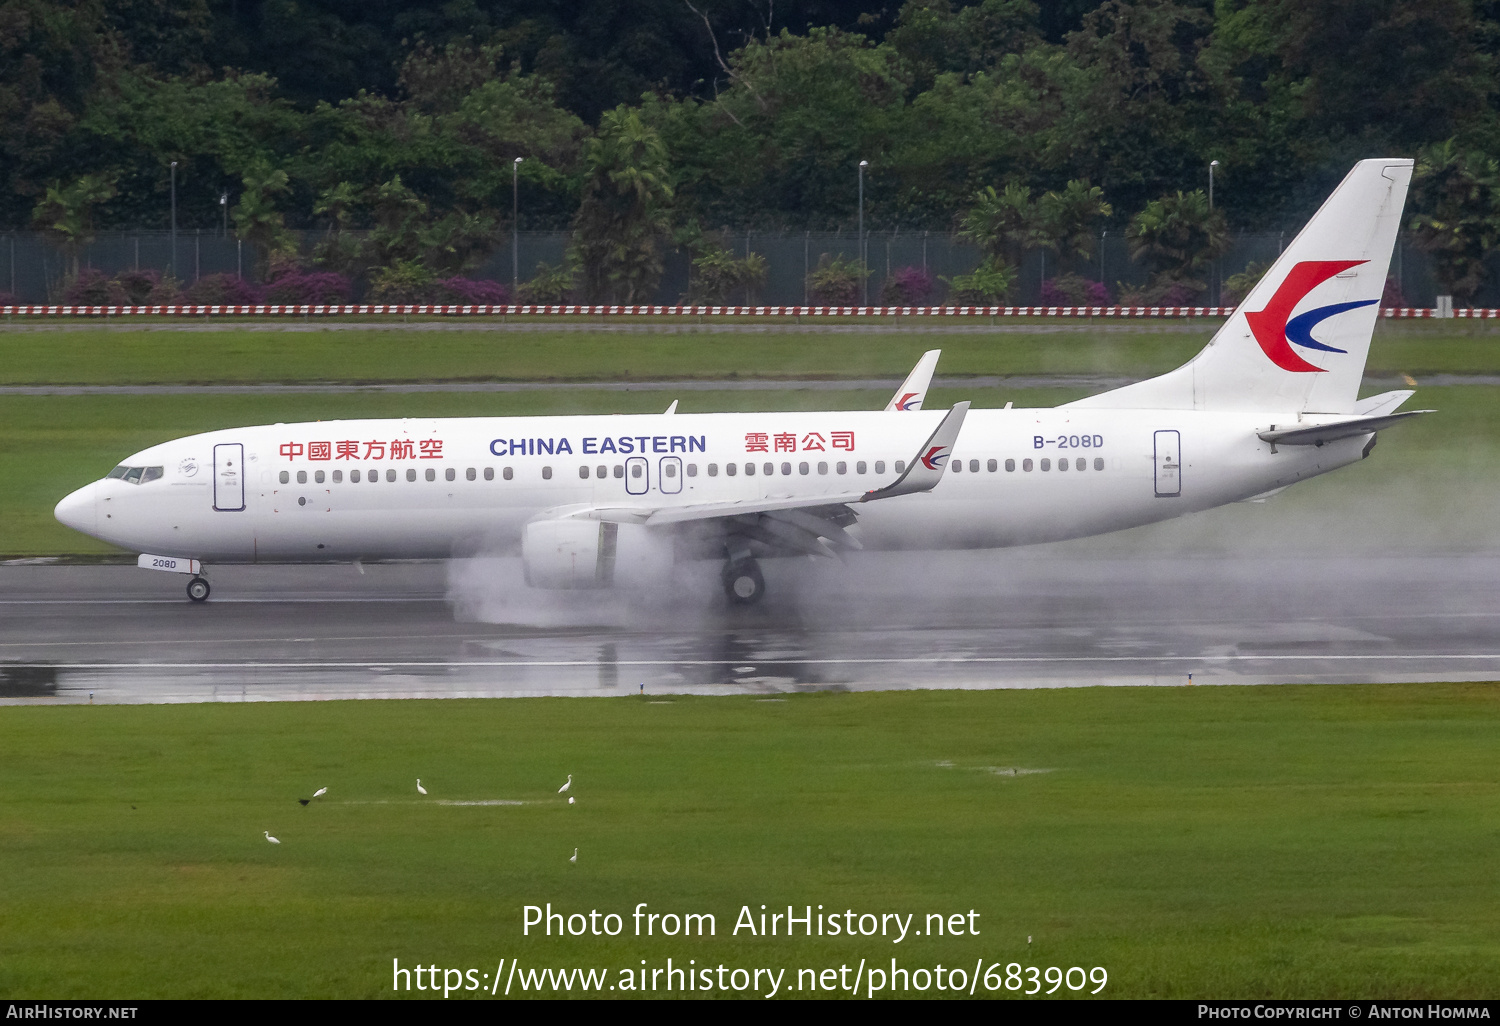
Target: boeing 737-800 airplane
{"x":589,"y":500}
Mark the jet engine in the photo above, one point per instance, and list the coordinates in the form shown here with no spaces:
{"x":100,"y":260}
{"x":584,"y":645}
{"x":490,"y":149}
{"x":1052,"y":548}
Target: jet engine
{"x":573,"y":554}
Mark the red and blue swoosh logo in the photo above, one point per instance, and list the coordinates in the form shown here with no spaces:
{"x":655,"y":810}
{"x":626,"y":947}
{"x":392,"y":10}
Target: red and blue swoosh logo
{"x":904,"y":403}
{"x":933,"y":458}
{"x":1277,"y":330}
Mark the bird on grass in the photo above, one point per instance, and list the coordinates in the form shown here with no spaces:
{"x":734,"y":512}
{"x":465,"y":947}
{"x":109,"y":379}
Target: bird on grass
{"x":320,"y":792}
{"x":420,"y":788}
{"x":269,"y":837}
{"x":573,"y":859}
{"x":570,"y":799}
{"x":569,"y":784}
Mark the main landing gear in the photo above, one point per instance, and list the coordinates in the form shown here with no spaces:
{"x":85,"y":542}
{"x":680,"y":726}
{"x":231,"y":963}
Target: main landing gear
{"x":197,"y":589}
{"x":743,"y":584}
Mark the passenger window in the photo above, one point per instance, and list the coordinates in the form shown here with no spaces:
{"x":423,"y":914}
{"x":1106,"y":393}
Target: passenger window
{"x":318,"y":477}
{"x":151,"y":474}
{"x":338,"y":477}
{"x":973,"y":466}
{"x":822,"y":468}
{"x":1098,"y":463}
{"x":900,"y":466}
{"x":1010,"y":466}
{"x":713,"y":469}
{"x":1062,"y":464}
{"x":670,"y":470}
{"x":546,"y":473}
{"x":749,"y":469}
{"x":770,"y":468}
{"x":583,"y":472}
{"x":449,"y":474}
{"x":390,"y":475}
{"x":601,"y":472}
{"x":859,"y":468}
{"x":1026,"y":466}
{"x":489,"y":473}
{"x":470,"y":474}
{"x":635,"y":470}
{"x":619,"y":470}
{"x":284,"y":477}
{"x":354,"y":477}
{"x":786,"y":468}
{"x":117,"y":473}
{"x":841,"y":467}
{"x":1046,"y":465}
{"x":431,"y":474}
{"x":374,"y":476}
{"x":993,"y":466}
{"x":958,"y":466}
{"x":692,"y":470}
{"x":731,"y":469}
{"x":411,"y":473}
{"x":803,"y":468}
{"x":302,"y":477}
{"x":880,"y":466}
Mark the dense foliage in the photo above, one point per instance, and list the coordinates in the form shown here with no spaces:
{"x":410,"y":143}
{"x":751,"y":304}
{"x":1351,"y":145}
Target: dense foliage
{"x":393,"y":127}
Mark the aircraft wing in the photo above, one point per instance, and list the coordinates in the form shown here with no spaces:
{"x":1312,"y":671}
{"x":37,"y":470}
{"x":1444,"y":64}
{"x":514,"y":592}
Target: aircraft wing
{"x":923,"y":472}
{"x":914,"y":389}
{"x":1321,"y":433}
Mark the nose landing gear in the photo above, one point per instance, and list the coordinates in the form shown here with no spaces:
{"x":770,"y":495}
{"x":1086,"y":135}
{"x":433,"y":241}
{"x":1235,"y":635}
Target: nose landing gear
{"x":197,"y":589}
{"x":743,"y":583}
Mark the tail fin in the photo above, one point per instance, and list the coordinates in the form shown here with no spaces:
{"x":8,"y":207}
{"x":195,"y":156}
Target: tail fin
{"x":1330,"y":279}
{"x":914,"y":389}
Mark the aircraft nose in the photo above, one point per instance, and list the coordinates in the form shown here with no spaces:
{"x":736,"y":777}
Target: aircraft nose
{"x":79,"y":510}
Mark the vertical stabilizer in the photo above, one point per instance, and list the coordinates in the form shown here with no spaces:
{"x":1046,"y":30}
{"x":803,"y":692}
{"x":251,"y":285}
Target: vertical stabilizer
{"x":1299,"y":340}
{"x":913,"y":390}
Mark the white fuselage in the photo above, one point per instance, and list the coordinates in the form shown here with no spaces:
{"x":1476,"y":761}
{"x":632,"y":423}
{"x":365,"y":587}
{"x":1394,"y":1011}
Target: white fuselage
{"x":440,"y":487}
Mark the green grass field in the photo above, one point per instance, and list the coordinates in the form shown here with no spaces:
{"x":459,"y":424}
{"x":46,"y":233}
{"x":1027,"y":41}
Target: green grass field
{"x":101,"y":355}
{"x":1333,"y":841}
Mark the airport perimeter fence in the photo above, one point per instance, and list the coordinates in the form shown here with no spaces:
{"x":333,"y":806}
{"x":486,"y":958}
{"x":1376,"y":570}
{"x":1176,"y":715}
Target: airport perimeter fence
{"x":33,"y":269}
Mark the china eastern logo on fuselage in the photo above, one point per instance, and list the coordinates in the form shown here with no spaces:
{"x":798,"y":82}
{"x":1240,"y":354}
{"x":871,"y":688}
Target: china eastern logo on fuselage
{"x":1277,"y":330}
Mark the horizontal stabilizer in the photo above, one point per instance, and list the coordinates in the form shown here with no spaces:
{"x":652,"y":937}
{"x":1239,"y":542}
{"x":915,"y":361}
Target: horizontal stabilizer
{"x":1322,"y":433}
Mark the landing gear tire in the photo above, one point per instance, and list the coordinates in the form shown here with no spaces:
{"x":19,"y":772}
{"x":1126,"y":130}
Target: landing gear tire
{"x":743,"y":584}
{"x":197,"y":589}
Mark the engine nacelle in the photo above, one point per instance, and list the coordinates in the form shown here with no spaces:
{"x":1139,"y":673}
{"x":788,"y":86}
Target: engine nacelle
{"x":591,"y":554}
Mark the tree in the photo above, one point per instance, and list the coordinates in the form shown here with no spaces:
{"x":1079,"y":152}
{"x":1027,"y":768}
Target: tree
{"x":256,"y":218}
{"x":66,"y":213}
{"x":1456,"y":195}
{"x":1006,"y":224}
{"x":1177,"y":235}
{"x":627,"y":196}
{"x":1067,"y":219}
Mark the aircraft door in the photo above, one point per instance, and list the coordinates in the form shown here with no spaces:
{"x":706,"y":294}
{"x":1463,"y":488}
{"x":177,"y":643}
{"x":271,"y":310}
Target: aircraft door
{"x":1168,"y":464}
{"x":669,"y":475}
{"x":637,"y":475}
{"x":229,"y":477}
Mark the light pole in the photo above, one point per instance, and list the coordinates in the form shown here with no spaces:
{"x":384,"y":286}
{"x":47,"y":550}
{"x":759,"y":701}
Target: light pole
{"x":863,"y":269}
{"x":174,"y":218}
{"x":1213,"y":261}
{"x":515,"y":228}
{"x":224,"y":209}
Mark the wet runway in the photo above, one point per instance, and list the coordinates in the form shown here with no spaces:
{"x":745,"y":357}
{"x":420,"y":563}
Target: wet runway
{"x":1022,"y":618}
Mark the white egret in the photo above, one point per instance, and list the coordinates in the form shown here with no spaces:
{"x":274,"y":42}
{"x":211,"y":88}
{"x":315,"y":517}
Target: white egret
{"x":420,"y":788}
{"x":569,"y":784}
{"x":269,"y":837}
{"x":574,"y":858}
{"x":320,"y":792}
{"x":570,"y":799}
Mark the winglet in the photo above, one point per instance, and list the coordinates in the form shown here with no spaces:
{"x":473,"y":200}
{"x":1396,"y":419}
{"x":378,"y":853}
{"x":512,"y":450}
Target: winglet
{"x":926,"y":470}
{"x":914,"y":389}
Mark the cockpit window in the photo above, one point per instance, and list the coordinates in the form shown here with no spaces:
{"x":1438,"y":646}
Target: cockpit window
{"x":136,"y":475}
